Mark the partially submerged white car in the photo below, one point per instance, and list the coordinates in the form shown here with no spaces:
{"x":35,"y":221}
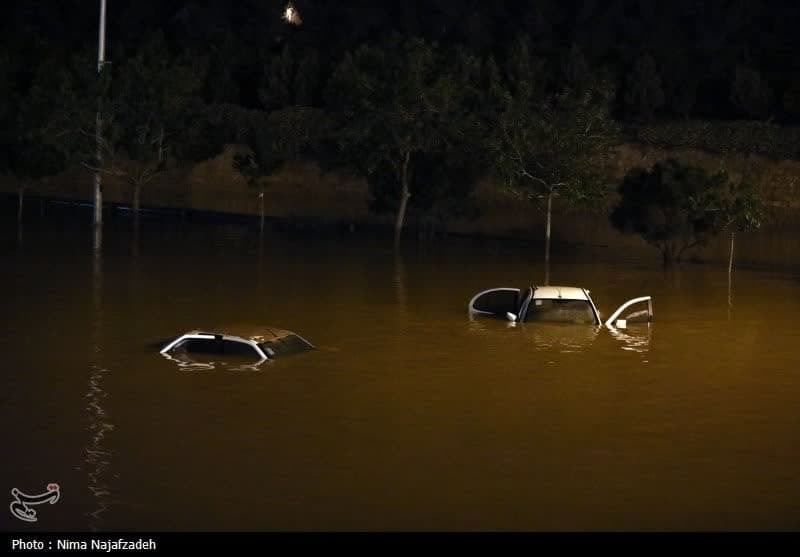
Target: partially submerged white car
{"x":256,"y":345}
{"x":556,"y":304}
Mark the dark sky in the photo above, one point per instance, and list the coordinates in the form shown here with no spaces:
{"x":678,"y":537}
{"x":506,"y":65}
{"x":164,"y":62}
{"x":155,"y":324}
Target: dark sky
{"x":764,"y":29}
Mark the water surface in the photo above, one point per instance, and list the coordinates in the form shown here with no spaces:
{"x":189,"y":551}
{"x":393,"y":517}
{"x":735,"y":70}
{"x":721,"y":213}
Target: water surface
{"x":410,"y":415}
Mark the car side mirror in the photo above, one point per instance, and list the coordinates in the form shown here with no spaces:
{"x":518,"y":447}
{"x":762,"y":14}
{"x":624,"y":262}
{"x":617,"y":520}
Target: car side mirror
{"x":621,"y":324}
{"x":511,"y":316}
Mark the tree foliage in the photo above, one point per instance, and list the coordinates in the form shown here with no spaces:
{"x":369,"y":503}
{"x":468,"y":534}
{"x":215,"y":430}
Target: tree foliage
{"x":278,"y":137}
{"x":750,"y":94}
{"x":675,"y":207}
{"x":155,"y":98}
{"x":415,"y":88}
{"x":238,"y":39}
{"x":26,"y":152}
{"x":395,"y":102}
{"x":550,"y":146}
{"x":289,"y":81}
{"x":144,"y":105}
{"x":644,"y":94}
{"x":545,"y":145}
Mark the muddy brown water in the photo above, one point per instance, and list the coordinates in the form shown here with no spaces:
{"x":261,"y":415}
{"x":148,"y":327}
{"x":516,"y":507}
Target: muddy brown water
{"x":409,"y":415}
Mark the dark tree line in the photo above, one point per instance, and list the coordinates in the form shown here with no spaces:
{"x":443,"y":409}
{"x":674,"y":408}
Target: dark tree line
{"x":687,"y":58}
{"x":421,"y":98}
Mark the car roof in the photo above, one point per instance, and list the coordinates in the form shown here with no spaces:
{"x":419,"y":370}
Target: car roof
{"x":255,"y":333}
{"x":562,"y":292}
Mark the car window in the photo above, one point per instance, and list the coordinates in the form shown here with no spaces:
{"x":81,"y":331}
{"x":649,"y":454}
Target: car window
{"x":637,"y":310}
{"x":497,"y":301}
{"x":236,"y":348}
{"x":560,"y":311}
{"x":197,"y":346}
{"x":285,"y":346}
{"x":217,"y":346}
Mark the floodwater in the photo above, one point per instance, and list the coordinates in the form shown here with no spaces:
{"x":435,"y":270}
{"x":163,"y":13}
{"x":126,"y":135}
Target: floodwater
{"x":409,"y":415}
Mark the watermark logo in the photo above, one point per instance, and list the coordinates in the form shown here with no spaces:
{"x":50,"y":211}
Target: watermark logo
{"x":22,"y":503}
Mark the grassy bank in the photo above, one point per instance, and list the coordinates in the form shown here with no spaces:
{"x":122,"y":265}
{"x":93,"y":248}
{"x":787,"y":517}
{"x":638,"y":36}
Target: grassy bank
{"x":303,"y":196}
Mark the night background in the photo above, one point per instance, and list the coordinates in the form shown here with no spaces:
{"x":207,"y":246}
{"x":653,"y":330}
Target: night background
{"x":686,"y":45}
{"x":351,"y":177}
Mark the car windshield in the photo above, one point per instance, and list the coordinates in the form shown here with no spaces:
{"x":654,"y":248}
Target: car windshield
{"x":285,"y":346}
{"x":560,"y":311}
{"x":216,"y":346}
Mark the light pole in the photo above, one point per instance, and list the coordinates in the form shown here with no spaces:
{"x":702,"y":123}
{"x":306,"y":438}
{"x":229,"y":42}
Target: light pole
{"x":98,"y":183}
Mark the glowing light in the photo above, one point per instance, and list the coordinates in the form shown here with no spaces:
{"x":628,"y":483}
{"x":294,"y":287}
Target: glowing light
{"x":291,"y":15}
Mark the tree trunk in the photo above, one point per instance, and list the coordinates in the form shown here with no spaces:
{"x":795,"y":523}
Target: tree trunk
{"x":667,"y":256}
{"x":135,"y":239}
{"x":404,"y":195}
{"x":137,"y":192}
{"x":21,"y":199}
{"x":261,"y":210}
{"x":730,"y":276}
{"x":547,"y":239}
{"x":161,"y":145}
{"x":730,"y":257}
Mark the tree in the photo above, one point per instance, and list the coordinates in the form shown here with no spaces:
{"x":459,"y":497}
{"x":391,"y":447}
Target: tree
{"x":31,"y":160}
{"x":276,"y":138}
{"x":679,"y":82}
{"x":444,"y":179}
{"x":791,"y":99}
{"x":221,"y":85}
{"x":676,"y":207}
{"x":394,"y":102}
{"x":750,"y":93}
{"x":154,"y":97}
{"x":744,"y":212}
{"x":643,"y":91}
{"x":7,"y":97}
{"x":28,"y":153}
{"x":683,"y":98}
{"x":548,"y":148}
{"x":289,"y":82}
{"x":526,"y":75}
{"x":574,"y":69}
{"x":145,"y":107}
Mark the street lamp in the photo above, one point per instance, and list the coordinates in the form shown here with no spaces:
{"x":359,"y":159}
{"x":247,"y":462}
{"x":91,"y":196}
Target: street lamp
{"x":291,"y":15}
{"x":98,"y":184}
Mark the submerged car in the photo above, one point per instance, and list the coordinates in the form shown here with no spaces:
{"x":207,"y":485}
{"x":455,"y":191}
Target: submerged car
{"x":556,"y":304}
{"x":257,"y":344}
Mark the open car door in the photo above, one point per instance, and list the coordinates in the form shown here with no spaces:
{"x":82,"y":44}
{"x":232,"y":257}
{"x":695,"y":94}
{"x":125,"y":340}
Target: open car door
{"x":496,"y":301}
{"x":637,"y":310}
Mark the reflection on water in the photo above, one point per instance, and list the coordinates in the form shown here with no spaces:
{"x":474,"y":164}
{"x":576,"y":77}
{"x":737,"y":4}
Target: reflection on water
{"x":546,"y":337}
{"x":413,"y":416}
{"x":135,"y":237}
{"x":187,"y":363}
{"x":190,"y":365}
{"x":635,"y":339}
{"x":561,"y":337}
{"x":399,"y":280}
{"x":97,"y":455}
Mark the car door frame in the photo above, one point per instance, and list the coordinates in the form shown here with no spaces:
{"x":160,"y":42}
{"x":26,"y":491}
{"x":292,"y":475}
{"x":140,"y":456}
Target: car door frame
{"x":472,"y":309}
{"x":611,"y":321}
